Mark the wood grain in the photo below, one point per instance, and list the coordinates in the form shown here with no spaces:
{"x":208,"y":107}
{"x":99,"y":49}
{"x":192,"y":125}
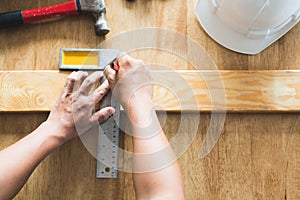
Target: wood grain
{"x":257,"y":156}
{"x":233,"y":91}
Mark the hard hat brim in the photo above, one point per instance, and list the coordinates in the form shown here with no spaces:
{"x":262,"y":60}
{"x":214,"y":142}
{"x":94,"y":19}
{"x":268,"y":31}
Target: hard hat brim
{"x":231,"y":39}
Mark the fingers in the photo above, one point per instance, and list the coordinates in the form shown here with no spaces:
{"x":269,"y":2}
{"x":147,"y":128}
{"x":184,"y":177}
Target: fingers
{"x":123,"y":60}
{"x":79,"y":76}
{"x":126,"y":61}
{"x":90,"y":81}
{"x":73,"y":82}
{"x":103,"y":114}
{"x":101,"y":91}
{"x":69,"y":85}
{"x":110,"y":75}
{"x":80,"y":80}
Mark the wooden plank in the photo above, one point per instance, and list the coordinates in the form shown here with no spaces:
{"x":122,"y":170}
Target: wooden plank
{"x":255,"y":158}
{"x":244,"y":91}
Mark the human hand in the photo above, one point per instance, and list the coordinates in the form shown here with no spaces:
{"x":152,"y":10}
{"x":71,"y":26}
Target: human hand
{"x":132,"y":85}
{"x":74,"y":112}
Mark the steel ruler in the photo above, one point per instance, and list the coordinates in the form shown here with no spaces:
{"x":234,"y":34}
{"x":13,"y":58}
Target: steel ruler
{"x":108,"y":136}
{"x":108,"y":141}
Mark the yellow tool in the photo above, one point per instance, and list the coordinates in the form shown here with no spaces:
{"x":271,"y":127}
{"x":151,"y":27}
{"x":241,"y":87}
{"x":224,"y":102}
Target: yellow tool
{"x":87,"y":59}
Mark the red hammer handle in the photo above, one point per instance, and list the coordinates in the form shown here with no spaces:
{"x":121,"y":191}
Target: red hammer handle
{"x":40,"y":14}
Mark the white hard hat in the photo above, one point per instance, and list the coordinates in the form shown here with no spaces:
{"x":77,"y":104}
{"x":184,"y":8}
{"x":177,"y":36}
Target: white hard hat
{"x":247,"y":26}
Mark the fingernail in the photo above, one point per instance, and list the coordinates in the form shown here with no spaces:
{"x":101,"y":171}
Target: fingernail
{"x":111,"y":111}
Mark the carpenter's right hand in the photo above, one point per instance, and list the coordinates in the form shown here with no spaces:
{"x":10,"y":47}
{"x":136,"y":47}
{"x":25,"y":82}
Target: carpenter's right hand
{"x":132,"y":85}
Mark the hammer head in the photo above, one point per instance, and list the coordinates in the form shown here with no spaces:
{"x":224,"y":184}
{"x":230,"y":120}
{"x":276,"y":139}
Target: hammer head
{"x":98,"y":10}
{"x":101,"y":25}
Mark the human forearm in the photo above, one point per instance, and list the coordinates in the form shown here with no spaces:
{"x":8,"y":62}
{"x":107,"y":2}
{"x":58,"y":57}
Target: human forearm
{"x":155,"y":170}
{"x":72,"y":115}
{"x":20,"y":159}
{"x":157,"y":173}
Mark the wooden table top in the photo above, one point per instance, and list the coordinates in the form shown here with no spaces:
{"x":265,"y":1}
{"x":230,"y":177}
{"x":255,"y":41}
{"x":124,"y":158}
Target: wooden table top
{"x":256,"y":157}
{"x":37,"y":46}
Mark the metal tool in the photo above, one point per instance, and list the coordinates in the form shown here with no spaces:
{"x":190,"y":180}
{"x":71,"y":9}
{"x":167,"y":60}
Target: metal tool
{"x":94,"y":7}
{"x":86,"y":59}
{"x":108,"y":137}
{"x":108,"y":141}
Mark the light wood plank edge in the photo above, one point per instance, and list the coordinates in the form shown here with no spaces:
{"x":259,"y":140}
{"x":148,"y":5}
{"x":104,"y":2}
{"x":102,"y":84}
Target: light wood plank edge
{"x":175,"y":91}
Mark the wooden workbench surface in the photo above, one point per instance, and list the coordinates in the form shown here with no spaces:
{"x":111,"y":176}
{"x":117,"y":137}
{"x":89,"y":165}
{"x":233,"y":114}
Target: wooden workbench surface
{"x":257,"y":156}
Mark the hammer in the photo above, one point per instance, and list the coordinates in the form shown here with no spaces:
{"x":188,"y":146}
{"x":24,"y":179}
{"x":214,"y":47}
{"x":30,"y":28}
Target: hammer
{"x":94,"y":7}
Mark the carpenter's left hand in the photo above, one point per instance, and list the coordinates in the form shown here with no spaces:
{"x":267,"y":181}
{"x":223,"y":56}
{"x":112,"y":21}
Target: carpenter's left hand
{"x":74,"y":112}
